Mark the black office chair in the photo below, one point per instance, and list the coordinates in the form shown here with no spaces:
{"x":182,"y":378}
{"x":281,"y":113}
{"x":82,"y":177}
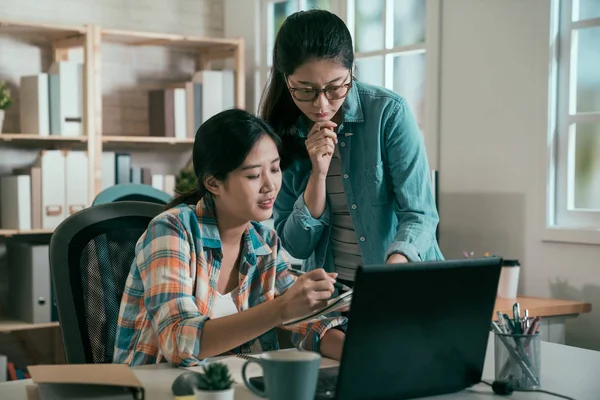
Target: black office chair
{"x":91,"y":253}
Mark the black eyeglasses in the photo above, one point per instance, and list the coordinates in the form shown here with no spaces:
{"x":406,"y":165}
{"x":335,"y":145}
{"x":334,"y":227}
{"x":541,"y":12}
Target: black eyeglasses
{"x":331,"y":92}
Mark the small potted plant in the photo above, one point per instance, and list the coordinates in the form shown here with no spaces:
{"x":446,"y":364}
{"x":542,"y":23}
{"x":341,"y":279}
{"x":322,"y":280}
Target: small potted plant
{"x":5,"y":102}
{"x":215,"y":383}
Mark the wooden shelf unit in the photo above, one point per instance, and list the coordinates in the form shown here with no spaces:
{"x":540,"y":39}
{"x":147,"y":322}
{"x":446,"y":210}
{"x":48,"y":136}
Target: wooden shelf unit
{"x":61,"y":39}
{"x":90,"y":38}
{"x":207,"y":50}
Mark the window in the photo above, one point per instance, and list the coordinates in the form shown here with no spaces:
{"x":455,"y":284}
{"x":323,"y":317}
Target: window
{"x":388,"y":35}
{"x":575,"y":171}
{"x":389,"y":40}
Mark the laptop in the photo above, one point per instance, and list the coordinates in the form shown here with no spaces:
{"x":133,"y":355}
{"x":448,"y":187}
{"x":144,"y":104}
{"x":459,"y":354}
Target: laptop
{"x":414,"y":330}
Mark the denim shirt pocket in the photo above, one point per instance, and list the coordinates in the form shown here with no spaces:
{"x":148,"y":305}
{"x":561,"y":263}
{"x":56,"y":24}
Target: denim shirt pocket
{"x":377,"y":185}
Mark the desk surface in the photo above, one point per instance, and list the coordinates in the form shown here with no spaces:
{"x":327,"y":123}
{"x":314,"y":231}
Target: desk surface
{"x":566,"y":370}
{"x":543,"y":307}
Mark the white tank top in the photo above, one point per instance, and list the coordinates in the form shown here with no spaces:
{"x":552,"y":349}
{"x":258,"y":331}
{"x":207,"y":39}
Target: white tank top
{"x":224,"y":306}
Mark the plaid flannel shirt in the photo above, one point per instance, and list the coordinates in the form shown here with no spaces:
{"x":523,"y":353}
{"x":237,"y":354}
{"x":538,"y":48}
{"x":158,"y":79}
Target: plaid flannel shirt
{"x":171,"y":288}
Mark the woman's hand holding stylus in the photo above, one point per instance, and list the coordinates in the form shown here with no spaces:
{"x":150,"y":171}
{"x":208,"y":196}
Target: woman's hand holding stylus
{"x":310,"y":292}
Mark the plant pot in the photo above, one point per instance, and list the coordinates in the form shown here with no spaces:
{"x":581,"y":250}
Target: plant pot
{"x":1,"y":119}
{"x":215,"y":394}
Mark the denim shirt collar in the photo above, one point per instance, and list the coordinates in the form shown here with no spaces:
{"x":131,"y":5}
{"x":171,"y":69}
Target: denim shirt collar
{"x":352,"y":108}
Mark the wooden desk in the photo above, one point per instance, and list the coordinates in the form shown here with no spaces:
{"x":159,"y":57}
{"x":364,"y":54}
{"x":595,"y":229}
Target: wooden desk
{"x":554,"y":313}
{"x":566,"y":370}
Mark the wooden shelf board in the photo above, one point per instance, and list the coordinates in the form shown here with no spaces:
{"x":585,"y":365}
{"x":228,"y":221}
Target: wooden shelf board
{"x":7,"y":325}
{"x":34,"y":140}
{"x":15,"y":232}
{"x":165,"y":39}
{"x":48,"y":32}
{"x":146,"y":142}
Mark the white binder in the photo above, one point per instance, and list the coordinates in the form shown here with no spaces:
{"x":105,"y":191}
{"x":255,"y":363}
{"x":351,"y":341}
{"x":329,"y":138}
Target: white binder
{"x":180,"y":113}
{"x":15,"y":202}
{"x":158,"y":181}
{"x":108,"y":169}
{"x":34,"y":108}
{"x":169,"y":184}
{"x":66,"y":98}
{"x":53,"y":188}
{"x":76,"y":181}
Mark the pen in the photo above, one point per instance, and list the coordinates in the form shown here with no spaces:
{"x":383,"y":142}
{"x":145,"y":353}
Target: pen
{"x":502,"y":323}
{"x":510,"y":323}
{"x":517,"y":318}
{"x":336,"y":284}
{"x":516,"y":356}
{"x":535,"y":324}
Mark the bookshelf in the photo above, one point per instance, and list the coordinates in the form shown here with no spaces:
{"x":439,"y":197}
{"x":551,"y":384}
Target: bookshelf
{"x":89,"y":39}
{"x":206,"y":51}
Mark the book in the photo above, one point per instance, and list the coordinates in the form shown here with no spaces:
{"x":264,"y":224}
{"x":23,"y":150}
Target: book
{"x":337,"y":303}
{"x":85,"y":381}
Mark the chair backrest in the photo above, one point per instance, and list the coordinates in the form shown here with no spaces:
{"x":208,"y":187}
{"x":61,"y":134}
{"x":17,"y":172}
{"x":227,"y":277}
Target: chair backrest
{"x":132,"y":192}
{"x":91,"y":253}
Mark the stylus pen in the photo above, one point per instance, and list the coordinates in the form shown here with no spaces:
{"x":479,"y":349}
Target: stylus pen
{"x":338,"y":285}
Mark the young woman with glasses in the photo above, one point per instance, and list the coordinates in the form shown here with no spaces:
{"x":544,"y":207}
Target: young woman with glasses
{"x":356,"y":187}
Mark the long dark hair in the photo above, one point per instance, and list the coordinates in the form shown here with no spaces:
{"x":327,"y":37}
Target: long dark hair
{"x":221,"y":145}
{"x":304,"y":36}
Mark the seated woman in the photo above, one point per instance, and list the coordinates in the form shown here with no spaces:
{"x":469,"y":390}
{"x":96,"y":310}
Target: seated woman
{"x":206,"y":279}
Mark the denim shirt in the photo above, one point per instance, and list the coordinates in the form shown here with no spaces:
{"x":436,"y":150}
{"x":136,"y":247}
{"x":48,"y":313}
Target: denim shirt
{"x":386,"y":180}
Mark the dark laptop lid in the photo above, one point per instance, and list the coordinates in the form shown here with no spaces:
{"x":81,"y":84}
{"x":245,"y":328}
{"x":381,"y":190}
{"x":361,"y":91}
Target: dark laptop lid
{"x":418,"y":329}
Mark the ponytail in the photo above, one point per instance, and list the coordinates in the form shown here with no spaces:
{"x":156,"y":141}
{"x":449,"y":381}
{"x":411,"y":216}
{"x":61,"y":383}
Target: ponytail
{"x":191,"y":197}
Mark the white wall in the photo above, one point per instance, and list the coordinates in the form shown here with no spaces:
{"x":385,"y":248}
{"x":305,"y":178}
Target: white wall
{"x":493,"y":122}
{"x":126,"y":75}
{"x":240,"y":21}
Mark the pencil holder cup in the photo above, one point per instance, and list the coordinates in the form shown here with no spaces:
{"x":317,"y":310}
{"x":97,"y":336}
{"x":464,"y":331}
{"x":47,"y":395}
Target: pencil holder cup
{"x":518,"y":359}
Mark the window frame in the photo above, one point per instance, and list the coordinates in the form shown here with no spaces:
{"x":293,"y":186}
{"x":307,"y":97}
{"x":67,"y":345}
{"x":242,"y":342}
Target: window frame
{"x":389,"y":51}
{"x":562,"y":222}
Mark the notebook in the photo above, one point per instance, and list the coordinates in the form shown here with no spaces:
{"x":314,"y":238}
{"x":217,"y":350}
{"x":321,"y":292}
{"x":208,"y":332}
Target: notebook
{"x":337,"y":303}
{"x":84,"y":381}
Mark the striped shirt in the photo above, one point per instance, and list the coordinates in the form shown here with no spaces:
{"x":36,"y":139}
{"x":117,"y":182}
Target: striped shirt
{"x":171,"y":289}
{"x":346,"y":251}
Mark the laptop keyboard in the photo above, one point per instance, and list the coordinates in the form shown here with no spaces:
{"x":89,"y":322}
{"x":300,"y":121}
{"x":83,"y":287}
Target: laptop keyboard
{"x":327,"y":383}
